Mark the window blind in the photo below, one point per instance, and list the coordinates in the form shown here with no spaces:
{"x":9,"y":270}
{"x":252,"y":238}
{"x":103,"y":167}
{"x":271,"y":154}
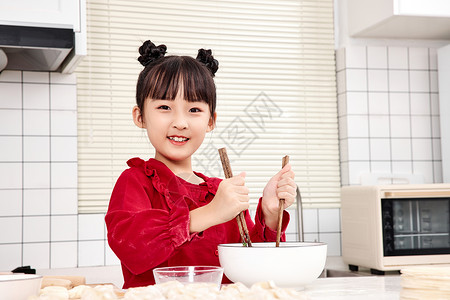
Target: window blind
{"x":276,"y":90}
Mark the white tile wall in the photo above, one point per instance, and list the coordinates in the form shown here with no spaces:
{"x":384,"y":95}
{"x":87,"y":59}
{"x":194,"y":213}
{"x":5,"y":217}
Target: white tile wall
{"x":91,"y":253}
{"x":11,"y":148}
{"x":36,"y":77}
{"x":378,"y":103}
{"x":36,"y":229}
{"x":64,"y":148}
{"x":13,"y":253}
{"x":420,"y":104}
{"x":399,"y":104}
{"x":38,"y":170}
{"x":36,"y":148}
{"x":377,"y":80}
{"x":64,"y":228}
{"x":388,"y":108}
{"x":323,"y":224}
{"x":63,"y":97}
{"x":36,"y":96}
{"x":10,"y":122}
{"x":419,"y":81}
{"x":398,"y":58}
{"x":64,"y":175}
{"x":110,"y":258}
{"x":36,"y":202}
{"x":64,"y":201}
{"x":11,"y":95}
{"x":64,"y":254}
{"x":377,"y":58}
{"x":379,"y":126}
{"x":356,"y":103}
{"x":13,"y":234}
{"x":333,"y":241}
{"x":91,"y":227}
{"x":36,"y":255}
{"x":398,"y":80}
{"x":10,"y":76}
{"x":358,"y":148}
{"x":355,"y":57}
{"x":10,"y":175}
{"x":356,"y":80}
{"x":64,"y":122}
{"x":11,"y":202}
{"x":36,"y":122}
{"x":418,"y":58}
{"x":36,"y":175}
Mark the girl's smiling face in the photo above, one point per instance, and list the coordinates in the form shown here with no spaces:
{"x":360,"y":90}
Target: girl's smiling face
{"x":176,"y":128}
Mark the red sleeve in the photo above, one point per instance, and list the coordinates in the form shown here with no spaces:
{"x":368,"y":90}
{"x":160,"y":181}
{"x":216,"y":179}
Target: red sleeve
{"x":142,"y":231}
{"x":262,"y":233}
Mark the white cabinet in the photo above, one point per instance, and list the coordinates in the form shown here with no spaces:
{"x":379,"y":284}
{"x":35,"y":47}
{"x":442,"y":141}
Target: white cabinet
{"x":414,"y":19}
{"x":41,"y":13}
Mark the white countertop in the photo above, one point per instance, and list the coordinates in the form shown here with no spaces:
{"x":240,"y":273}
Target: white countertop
{"x":331,"y":288}
{"x":358,"y":287}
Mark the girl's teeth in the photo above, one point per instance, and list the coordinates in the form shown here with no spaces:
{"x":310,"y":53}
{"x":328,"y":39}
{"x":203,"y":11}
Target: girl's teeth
{"x":178,"y":139}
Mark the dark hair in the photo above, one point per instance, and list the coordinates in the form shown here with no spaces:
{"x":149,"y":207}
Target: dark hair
{"x":162,"y":76}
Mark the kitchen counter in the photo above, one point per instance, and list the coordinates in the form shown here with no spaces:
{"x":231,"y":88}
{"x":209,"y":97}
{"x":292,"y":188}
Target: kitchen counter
{"x":361,"y":287}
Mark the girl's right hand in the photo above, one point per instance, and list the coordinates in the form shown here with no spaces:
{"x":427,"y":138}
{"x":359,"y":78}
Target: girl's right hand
{"x":231,"y":198}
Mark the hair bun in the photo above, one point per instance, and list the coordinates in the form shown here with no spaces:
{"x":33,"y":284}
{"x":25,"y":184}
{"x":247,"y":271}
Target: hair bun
{"x":149,"y":52}
{"x":205,"y":57}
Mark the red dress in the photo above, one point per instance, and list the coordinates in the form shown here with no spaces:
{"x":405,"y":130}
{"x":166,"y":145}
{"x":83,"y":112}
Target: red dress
{"x":148,"y":222}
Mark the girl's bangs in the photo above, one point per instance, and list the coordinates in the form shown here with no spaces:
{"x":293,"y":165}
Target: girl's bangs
{"x":166,"y":83}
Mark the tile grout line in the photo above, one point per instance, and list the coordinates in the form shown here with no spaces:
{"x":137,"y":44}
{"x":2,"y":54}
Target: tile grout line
{"x":368,"y":106}
{"x":23,"y":173}
{"x":431,"y":114}
{"x":389,"y":112}
{"x":410,"y":112}
{"x":50,"y":170}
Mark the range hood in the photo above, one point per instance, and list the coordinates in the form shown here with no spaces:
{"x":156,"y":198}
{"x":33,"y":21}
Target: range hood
{"x":35,"y":48}
{"x":42,"y":35}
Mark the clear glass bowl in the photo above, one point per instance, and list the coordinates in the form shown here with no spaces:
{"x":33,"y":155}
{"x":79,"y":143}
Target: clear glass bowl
{"x":189,"y":274}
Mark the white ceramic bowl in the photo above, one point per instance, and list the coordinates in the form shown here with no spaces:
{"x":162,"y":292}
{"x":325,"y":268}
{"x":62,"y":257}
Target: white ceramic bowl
{"x":189,"y":274}
{"x":19,"y":286}
{"x":292,"y":265}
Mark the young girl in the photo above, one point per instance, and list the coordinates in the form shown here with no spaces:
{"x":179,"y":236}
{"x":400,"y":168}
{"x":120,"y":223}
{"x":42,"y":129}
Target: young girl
{"x":161,"y":212}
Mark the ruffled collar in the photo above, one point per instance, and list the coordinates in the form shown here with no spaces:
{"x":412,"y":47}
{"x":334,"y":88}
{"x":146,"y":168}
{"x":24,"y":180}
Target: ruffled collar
{"x":164,"y":179}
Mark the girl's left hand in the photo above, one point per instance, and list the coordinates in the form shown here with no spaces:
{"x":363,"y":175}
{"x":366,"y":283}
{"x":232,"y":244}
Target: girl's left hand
{"x":280,"y":186}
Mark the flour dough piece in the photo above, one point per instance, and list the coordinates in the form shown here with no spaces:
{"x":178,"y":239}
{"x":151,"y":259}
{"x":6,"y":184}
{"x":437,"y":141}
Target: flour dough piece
{"x":150,"y":292}
{"x":53,"y":293}
{"x":77,"y":292}
{"x":99,"y":292}
{"x":233,"y":291}
{"x":266,"y":290}
{"x":174,"y":291}
{"x":269,"y":288}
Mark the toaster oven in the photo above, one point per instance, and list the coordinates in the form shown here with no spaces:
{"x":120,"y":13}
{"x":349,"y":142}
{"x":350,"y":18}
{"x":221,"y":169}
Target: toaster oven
{"x":388,"y":227}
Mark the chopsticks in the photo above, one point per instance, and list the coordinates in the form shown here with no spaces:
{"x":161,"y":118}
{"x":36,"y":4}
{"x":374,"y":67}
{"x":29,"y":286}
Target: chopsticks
{"x":245,"y":237}
{"x":281,"y":207}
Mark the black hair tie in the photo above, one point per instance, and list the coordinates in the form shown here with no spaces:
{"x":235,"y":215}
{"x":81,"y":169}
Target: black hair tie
{"x":150,"y":53}
{"x":206,"y":58}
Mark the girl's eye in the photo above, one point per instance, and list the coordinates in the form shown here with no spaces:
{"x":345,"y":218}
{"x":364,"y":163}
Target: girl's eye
{"x":164,"y":107}
{"x":195,"y":109}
